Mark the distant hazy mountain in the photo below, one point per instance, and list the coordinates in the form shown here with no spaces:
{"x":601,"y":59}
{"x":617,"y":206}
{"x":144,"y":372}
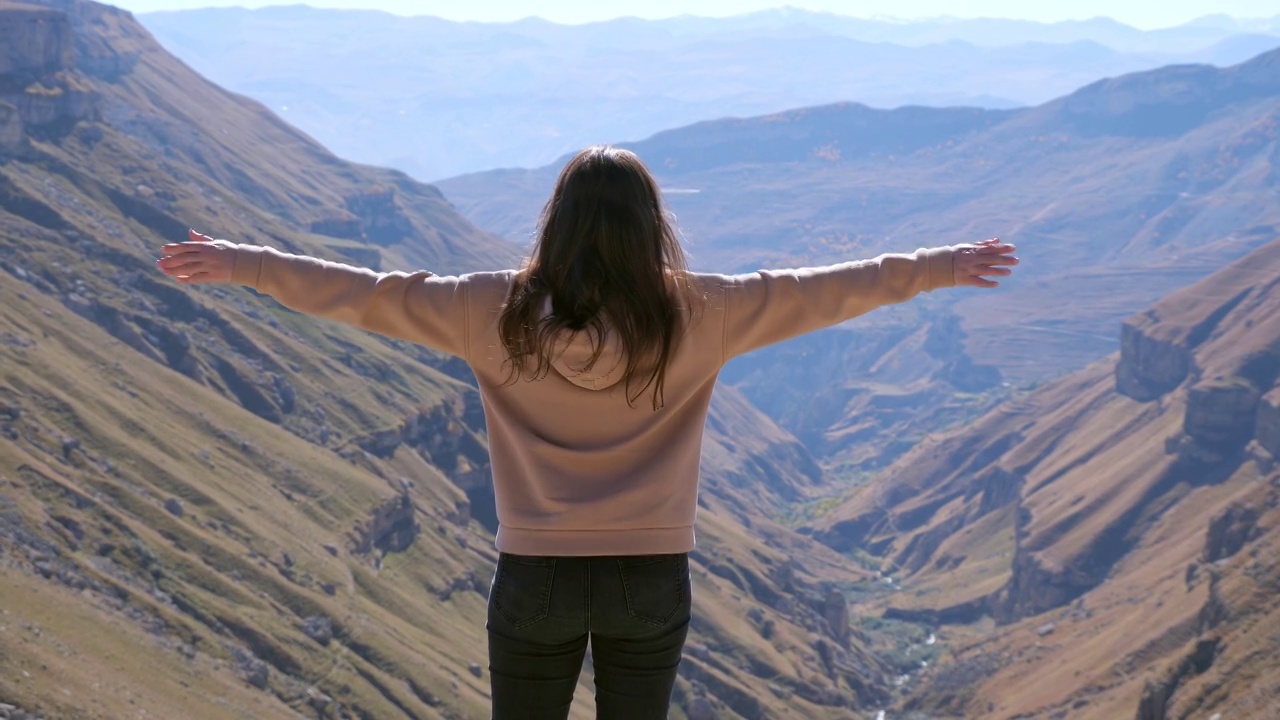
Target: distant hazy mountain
{"x":438,"y":98}
{"x":990,"y":32}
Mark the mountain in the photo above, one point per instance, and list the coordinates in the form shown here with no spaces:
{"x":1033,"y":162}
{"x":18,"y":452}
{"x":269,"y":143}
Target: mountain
{"x":1120,"y":526}
{"x":213,"y":507}
{"x":1116,"y":195}
{"x":438,"y":98}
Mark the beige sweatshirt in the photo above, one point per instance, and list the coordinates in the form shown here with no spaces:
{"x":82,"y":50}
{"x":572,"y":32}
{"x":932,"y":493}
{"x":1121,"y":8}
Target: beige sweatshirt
{"x":576,"y":470}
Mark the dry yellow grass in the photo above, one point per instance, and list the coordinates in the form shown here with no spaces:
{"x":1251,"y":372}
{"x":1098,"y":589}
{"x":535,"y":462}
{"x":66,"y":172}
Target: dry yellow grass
{"x":124,"y":393}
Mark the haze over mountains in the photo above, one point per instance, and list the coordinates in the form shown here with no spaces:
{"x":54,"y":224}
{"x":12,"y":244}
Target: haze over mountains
{"x":211,"y":507}
{"x":438,"y":98}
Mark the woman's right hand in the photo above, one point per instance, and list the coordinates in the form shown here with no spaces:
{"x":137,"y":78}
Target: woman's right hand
{"x":199,"y":260}
{"x":989,"y":257}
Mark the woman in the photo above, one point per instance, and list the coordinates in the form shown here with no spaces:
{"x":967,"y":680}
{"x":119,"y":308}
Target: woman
{"x":596,"y":362}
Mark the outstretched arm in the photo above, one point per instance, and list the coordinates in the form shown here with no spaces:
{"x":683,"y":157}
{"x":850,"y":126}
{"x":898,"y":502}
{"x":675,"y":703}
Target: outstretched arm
{"x":419,"y":307}
{"x":771,"y":306}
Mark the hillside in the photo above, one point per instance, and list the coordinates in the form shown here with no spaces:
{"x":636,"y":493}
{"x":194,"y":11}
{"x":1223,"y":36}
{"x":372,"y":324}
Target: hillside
{"x":438,"y":98}
{"x":212,"y":507}
{"x":1119,"y":526}
{"x":1116,"y":195}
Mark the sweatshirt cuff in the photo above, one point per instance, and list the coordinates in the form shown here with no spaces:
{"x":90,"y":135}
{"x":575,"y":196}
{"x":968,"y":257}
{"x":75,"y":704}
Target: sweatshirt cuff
{"x":247,"y":268}
{"x":940,"y":264}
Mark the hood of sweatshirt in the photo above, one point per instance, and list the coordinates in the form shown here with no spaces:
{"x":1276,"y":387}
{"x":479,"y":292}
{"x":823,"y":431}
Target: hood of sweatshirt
{"x":572,"y":358}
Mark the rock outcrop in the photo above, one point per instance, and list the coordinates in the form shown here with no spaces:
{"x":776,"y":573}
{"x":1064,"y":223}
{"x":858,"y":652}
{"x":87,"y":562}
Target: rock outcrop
{"x":392,"y":527}
{"x":1034,"y":588}
{"x":999,"y":488}
{"x":444,"y":436}
{"x":12,"y":135}
{"x":1229,"y":531}
{"x":381,"y":220}
{"x":1149,"y":367}
{"x":339,"y":224}
{"x":1267,"y":429}
{"x":34,"y":43}
{"x":108,"y":41}
{"x":836,"y":613}
{"x":1221,"y":414}
{"x":1154,"y":703}
{"x":65,"y":97}
{"x":38,"y":75}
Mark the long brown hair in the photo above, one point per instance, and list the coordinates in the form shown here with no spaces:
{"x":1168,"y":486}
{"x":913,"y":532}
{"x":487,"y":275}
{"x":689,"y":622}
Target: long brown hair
{"x":610,"y":261}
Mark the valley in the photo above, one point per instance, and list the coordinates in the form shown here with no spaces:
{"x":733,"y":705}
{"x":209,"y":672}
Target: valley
{"x":1055,"y":500}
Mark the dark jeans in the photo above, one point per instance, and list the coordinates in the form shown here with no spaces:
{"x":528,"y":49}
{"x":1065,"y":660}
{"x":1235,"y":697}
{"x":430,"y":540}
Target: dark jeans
{"x":634,"y":610}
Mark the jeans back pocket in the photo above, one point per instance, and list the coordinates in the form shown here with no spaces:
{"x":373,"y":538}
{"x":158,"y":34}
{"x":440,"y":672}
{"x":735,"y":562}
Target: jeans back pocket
{"x":522,"y":588}
{"x":656,"y":586}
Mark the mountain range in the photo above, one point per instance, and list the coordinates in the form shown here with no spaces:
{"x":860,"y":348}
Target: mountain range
{"x":213,"y":507}
{"x":1117,"y":194}
{"x":437,"y":98}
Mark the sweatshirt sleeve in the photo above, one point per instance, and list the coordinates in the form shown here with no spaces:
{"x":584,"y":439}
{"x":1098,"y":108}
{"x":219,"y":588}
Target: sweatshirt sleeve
{"x":770,"y":306}
{"x":419,"y":307}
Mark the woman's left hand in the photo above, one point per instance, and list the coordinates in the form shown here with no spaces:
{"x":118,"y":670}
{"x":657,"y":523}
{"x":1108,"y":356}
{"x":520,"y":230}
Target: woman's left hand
{"x":989,"y":257}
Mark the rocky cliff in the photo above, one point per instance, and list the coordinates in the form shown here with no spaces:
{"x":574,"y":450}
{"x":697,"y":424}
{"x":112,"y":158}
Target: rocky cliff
{"x":1149,"y":367}
{"x":41,"y":89}
{"x":35,"y":43}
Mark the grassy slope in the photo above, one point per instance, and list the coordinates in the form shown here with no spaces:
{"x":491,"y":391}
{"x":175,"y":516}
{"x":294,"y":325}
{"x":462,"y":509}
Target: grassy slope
{"x":121,"y":392}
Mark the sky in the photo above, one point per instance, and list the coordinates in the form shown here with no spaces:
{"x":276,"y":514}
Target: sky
{"x":1146,"y":14}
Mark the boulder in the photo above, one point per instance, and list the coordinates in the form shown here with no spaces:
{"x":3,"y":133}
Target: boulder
{"x":318,"y":628}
